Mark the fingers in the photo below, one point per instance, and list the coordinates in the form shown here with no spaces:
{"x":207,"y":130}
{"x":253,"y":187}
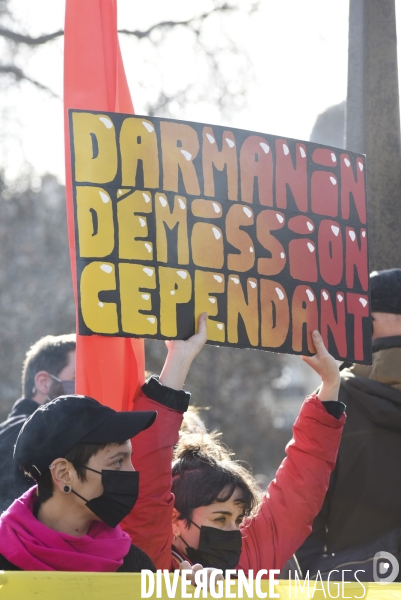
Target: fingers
{"x":195,"y":342}
{"x":202,"y":325}
{"x":219,"y":577}
{"x":318,"y":342}
{"x":308,"y":359}
{"x":319,"y":346}
{"x":325,"y":366}
{"x":202,"y":572}
{"x":185,"y":566}
{"x":198,"y":340}
{"x":209,"y":573}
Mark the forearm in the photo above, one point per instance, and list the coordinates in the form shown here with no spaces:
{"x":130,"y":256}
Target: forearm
{"x":295,"y":496}
{"x":325,"y":366}
{"x":175,"y":369}
{"x":329,"y":391}
{"x":181,"y":354}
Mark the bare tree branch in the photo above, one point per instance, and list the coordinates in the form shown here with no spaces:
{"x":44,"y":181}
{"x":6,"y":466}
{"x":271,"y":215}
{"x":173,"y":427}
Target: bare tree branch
{"x":19,"y":38}
{"x":194,"y":24}
{"x":161,"y":105}
{"x":171,"y":24}
{"x":19,"y":75}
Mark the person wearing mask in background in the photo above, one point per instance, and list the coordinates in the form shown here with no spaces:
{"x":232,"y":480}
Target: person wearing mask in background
{"x":219,"y":519}
{"x":48,"y":371}
{"x":361,"y":514}
{"x":79,"y":453}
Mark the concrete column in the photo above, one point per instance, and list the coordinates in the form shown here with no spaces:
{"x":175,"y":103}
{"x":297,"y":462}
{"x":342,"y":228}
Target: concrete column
{"x":373,"y":122}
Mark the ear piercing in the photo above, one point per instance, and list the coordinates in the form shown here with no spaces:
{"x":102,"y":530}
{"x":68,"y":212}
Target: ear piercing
{"x":67,"y":489}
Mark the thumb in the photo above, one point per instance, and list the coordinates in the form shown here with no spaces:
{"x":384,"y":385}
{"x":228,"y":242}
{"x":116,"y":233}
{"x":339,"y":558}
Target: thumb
{"x":202,"y":324}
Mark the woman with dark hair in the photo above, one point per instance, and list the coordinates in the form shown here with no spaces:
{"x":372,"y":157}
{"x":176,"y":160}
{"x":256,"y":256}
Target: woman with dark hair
{"x":211,"y":489}
{"x":79,"y":453}
{"x":218,"y":519}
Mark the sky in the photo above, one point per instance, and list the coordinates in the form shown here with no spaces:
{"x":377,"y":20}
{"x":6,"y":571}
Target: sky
{"x":290,"y":63}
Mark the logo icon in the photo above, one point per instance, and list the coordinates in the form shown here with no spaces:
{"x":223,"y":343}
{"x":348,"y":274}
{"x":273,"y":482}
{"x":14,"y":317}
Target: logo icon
{"x":385,"y":568}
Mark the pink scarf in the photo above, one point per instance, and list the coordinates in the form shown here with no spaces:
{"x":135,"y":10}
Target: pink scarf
{"x":32,"y":546}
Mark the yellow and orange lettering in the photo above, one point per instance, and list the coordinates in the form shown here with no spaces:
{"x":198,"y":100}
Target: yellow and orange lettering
{"x":132,"y":226}
{"x":240,"y":216}
{"x":207,"y":283}
{"x":180,"y":145}
{"x":95,"y":222}
{"x":275,"y":314}
{"x":291,"y":172}
{"x":206,"y":209}
{"x":99,"y":317}
{"x":171,"y":219}
{"x":138,"y":142}
{"x":219,"y":159}
{"x":256,"y":165}
{"x":238,"y":306}
{"x":175,"y":288}
{"x":135,"y":281}
{"x":304,"y":310}
{"x":207,"y":246}
{"x":267,"y":221}
{"x":95,"y":148}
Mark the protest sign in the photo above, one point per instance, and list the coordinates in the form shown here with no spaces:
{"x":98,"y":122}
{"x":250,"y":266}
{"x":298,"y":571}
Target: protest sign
{"x":268,"y":235}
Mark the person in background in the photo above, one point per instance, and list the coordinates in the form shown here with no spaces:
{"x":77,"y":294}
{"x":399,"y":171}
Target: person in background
{"x":361,"y":514}
{"x":79,"y":453}
{"x":219,"y":520}
{"x":48,"y":371}
{"x":244,"y":535}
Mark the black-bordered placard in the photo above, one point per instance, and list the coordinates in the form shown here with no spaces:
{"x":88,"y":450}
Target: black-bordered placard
{"x":266,"y":234}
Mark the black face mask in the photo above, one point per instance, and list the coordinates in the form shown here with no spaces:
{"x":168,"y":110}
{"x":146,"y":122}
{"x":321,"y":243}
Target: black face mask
{"x":119,"y":496}
{"x":217,"y":548}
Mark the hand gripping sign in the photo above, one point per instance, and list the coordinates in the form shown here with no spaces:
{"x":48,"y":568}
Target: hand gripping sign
{"x":267,"y":235}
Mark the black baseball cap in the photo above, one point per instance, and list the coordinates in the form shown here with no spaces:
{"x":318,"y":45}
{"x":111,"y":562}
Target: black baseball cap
{"x":386,"y":291}
{"x":56,"y":427}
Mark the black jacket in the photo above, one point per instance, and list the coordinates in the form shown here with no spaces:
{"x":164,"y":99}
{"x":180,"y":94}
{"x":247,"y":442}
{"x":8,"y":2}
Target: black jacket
{"x":134,"y":562}
{"x":13,"y":482}
{"x":363,"y":501}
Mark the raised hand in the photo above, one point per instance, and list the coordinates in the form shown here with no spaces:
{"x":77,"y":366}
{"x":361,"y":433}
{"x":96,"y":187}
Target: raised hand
{"x":193,"y":345}
{"x":326,"y":367}
{"x":180,"y":355}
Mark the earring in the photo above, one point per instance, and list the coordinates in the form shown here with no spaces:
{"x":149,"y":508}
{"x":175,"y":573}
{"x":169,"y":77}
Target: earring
{"x":67,"y":489}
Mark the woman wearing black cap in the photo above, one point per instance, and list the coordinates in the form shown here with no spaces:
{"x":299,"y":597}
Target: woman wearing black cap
{"x":79,"y":453}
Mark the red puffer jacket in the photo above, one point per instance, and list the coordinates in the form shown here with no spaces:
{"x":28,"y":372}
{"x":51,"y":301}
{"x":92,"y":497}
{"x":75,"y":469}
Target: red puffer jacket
{"x":285,"y":516}
{"x":149,"y":522}
{"x":296,"y":495}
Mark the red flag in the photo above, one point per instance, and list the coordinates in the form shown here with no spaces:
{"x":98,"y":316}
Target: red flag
{"x":108,"y":369}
